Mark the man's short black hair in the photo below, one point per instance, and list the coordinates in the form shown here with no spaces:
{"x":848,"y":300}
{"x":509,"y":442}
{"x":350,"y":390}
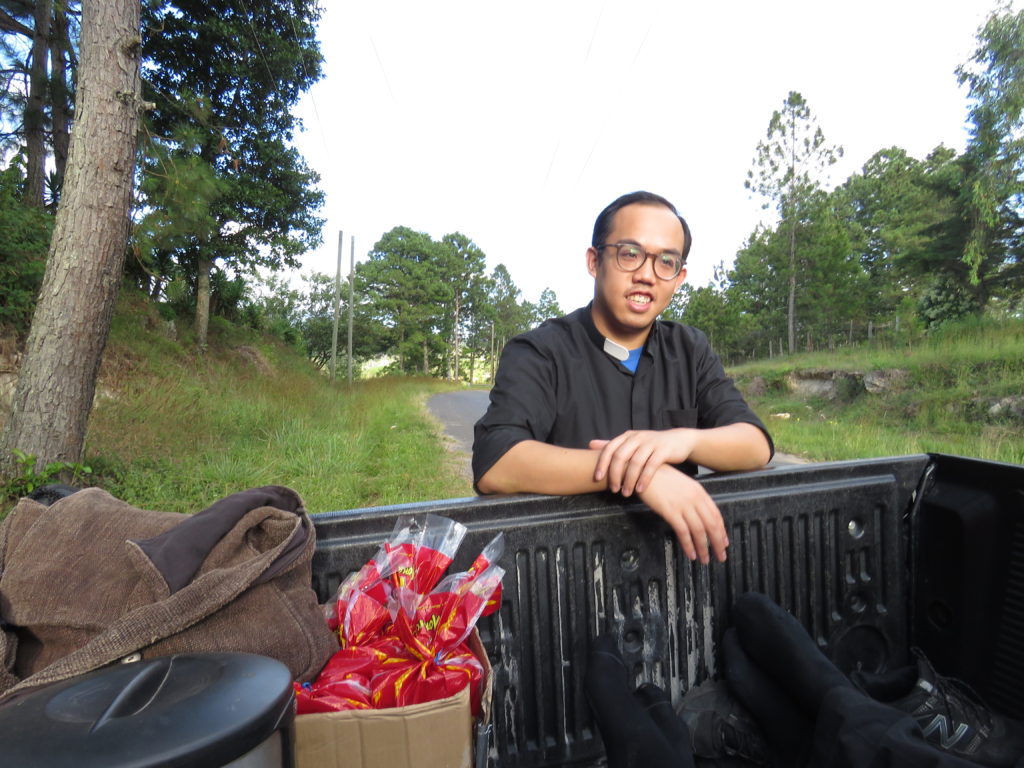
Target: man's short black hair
{"x":603,"y":225}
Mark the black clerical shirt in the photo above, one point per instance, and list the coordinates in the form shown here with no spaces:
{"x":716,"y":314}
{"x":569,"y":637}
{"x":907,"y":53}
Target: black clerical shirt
{"x":556,"y":384}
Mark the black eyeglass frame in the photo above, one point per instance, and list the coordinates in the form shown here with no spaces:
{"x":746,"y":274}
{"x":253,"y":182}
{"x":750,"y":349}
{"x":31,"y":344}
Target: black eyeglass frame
{"x":647,"y":255}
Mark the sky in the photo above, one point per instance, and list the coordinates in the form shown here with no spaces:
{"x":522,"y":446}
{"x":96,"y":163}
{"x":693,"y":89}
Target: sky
{"x":516,"y":123}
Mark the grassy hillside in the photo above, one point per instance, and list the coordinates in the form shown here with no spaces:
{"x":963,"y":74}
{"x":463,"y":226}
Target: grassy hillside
{"x":961,"y":391}
{"x":175,"y":430}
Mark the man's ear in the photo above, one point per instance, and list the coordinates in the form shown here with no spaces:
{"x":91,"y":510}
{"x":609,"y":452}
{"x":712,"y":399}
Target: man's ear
{"x":680,"y":279}
{"x":593,"y":258}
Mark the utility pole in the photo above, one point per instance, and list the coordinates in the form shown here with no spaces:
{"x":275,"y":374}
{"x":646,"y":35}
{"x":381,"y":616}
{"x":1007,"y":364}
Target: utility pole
{"x":337,"y":305}
{"x":492,"y":352}
{"x":351,"y":302}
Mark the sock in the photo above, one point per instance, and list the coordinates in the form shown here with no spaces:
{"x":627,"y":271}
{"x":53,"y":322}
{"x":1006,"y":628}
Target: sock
{"x":658,"y":705}
{"x":787,"y":731}
{"x":781,"y":648}
{"x":631,"y":738}
{"x":886,"y":686}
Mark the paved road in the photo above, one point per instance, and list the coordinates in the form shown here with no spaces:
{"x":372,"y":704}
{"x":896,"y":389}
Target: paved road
{"x":459,"y":411}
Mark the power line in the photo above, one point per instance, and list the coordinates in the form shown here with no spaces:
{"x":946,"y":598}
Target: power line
{"x":383,"y":71}
{"x":316,"y":112}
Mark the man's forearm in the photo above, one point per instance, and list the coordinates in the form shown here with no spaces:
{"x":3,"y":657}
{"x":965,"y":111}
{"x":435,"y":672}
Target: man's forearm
{"x":733,"y":447}
{"x":535,"y":467}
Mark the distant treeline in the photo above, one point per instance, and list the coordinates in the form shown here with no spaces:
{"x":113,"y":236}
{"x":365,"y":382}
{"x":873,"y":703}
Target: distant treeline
{"x":223,"y":200}
{"x":902,"y":246}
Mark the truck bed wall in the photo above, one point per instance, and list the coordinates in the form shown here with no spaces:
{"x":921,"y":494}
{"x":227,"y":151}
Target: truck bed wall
{"x":829,"y":542}
{"x":968,"y":569}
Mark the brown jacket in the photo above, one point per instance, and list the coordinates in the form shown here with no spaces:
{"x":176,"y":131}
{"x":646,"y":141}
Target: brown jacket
{"x":91,"y":580}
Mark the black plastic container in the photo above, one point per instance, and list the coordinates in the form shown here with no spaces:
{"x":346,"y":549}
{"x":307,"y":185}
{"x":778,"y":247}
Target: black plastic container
{"x":198,"y":710}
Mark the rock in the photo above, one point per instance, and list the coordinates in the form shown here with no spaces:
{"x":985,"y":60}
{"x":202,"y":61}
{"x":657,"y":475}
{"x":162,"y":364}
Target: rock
{"x":1011,"y":407}
{"x":882,"y":381}
{"x":756,"y":387}
{"x":826,"y":383}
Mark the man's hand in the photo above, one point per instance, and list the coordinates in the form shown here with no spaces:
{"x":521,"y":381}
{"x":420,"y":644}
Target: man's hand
{"x":683,"y":503}
{"x":627,"y":463}
{"x":630,"y":460}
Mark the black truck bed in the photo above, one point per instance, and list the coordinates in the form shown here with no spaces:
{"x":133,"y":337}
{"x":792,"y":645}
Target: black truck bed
{"x":872,"y":556}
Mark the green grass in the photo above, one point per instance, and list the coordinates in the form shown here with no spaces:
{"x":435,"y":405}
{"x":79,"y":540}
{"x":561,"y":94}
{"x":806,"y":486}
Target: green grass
{"x":950,"y":380}
{"x":175,"y":430}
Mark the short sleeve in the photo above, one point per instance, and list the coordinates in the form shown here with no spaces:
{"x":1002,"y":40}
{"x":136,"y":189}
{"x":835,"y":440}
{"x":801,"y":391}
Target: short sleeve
{"x":719,"y":402}
{"x":522,"y":404}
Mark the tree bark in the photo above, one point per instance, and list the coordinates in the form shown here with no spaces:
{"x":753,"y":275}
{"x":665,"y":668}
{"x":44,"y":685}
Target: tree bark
{"x":53,"y":398}
{"x":791,"y":304}
{"x":35,"y":143}
{"x":458,"y":308}
{"x":60,"y":103}
{"x":204,"y":266}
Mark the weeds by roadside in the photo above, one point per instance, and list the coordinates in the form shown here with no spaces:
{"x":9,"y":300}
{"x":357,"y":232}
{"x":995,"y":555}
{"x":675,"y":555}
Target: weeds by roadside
{"x":174,"y":430}
{"x":958,"y":392}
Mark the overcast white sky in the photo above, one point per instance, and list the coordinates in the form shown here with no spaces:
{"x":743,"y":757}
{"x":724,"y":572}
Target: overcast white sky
{"x":515,"y":123}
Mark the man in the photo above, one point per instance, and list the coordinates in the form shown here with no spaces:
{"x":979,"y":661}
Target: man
{"x":611,"y":398}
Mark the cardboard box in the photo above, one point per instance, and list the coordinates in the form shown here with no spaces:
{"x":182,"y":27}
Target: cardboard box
{"x":437,"y":734}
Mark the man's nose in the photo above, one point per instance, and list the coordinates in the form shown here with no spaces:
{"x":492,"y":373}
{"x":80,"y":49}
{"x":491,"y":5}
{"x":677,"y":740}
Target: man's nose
{"x":646,"y":271}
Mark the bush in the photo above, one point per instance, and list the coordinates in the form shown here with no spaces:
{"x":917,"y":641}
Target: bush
{"x":23,"y":247}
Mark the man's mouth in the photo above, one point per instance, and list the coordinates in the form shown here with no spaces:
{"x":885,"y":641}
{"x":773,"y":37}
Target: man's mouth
{"x":639,"y":298}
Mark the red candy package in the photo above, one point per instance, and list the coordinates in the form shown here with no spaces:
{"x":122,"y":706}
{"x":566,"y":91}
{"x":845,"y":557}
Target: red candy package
{"x":489,"y":555}
{"x":421,"y":552}
{"x":403,"y":628}
{"x":354,"y":612}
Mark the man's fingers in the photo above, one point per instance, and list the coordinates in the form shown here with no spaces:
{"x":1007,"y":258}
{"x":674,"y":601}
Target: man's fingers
{"x":700,"y":541}
{"x":607,"y":448}
{"x":639,"y":463}
{"x":613,"y":460}
{"x":655,"y":460}
{"x":714,"y":527}
{"x":684,"y":536}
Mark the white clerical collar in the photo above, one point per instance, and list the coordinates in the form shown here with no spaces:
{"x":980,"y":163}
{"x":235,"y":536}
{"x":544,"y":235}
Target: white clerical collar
{"x":617,"y":351}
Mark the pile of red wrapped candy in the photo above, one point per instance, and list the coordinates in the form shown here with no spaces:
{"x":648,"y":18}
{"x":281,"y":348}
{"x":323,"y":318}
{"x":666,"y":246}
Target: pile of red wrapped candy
{"x":404,"y":629}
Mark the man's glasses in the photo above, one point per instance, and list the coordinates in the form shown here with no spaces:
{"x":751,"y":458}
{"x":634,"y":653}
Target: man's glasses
{"x":630,"y":257}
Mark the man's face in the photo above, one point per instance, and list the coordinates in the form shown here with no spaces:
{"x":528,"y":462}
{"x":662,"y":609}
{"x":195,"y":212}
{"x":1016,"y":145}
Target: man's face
{"x":626,"y":304}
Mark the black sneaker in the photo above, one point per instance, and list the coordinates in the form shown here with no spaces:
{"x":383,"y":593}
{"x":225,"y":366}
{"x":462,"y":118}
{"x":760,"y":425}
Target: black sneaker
{"x":720,"y":726}
{"x":952,"y":716}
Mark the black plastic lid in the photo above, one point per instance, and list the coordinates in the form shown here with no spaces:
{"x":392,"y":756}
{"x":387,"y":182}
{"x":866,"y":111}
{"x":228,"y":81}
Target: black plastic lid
{"x":198,"y":710}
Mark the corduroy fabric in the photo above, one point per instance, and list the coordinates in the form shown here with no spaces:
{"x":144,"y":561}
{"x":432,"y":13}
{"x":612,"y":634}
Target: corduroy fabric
{"x":78,"y":590}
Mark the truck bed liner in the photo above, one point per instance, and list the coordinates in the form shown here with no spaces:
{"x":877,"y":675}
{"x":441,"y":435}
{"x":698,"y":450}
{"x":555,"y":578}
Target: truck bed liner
{"x":869,"y":555}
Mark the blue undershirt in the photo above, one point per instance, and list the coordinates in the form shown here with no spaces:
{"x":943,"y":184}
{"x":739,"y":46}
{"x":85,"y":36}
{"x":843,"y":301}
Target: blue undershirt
{"x":633,"y":360}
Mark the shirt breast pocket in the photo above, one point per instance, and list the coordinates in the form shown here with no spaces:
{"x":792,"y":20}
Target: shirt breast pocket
{"x":680,"y":417}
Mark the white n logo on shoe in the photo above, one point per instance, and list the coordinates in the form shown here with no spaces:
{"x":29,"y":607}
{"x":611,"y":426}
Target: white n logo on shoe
{"x":947,"y":740}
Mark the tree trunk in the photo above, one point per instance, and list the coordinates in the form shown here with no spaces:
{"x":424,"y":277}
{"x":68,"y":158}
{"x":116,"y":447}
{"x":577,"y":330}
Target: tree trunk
{"x":203,"y":266}
{"x":57,"y":382}
{"x":791,"y":310}
{"x":60,"y":104}
{"x":458,"y":309}
{"x":35,"y":144}
{"x":492,"y":353}
{"x":426,"y":360}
